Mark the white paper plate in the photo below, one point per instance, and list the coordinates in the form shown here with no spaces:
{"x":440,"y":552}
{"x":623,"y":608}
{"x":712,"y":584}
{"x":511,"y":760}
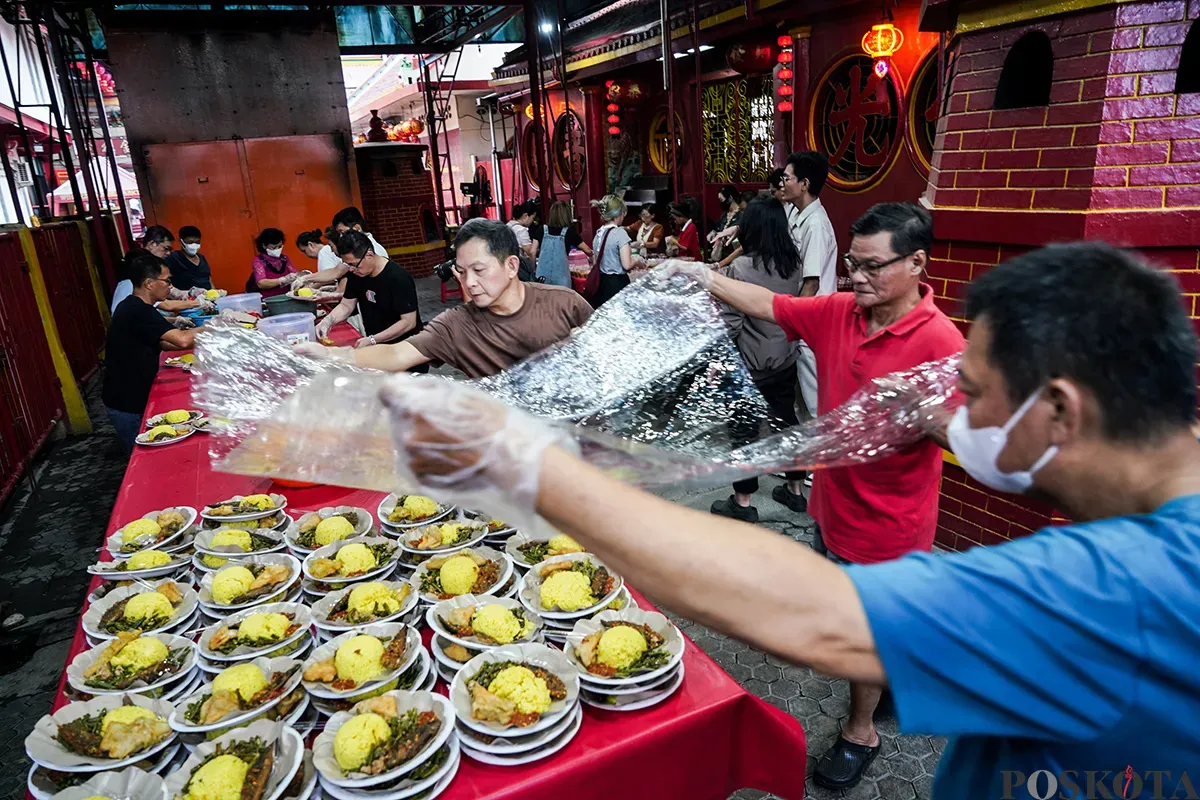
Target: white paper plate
{"x":558,"y":743}
{"x":310,"y":774}
{"x":280,"y":505}
{"x":429,"y":788}
{"x":95,"y":612}
{"x":206,"y":598}
{"x":268,"y":666}
{"x":203,"y":544}
{"x":363,"y":528}
{"x":114,"y":540}
{"x":658,"y":682}
{"x":506,"y":572}
{"x":327,"y":765}
{"x":130,"y":783}
{"x":537,"y":654}
{"x":388,"y":503}
{"x":513,"y":543}
{"x":409,"y":538}
{"x":529,"y":591}
{"x":322,"y":607}
{"x":303,"y":646}
{"x":418,"y":676}
{"x":288,"y":757}
{"x":302,"y":617}
{"x":511,"y":746}
{"x":329,"y":551}
{"x":182,"y":543}
{"x":433,"y":618}
{"x":635,"y":702}
{"x":184,"y":687}
{"x":107,"y":569}
{"x":81,"y":662}
{"x":325,"y":652}
{"x":437,"y":645}
{"x":42,"y":748}
{"x":673,"y":642}
{"x":143,"y":438}
{"x":161,"y":419}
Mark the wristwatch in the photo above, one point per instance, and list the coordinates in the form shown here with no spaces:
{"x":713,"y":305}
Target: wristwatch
{"x":372,"y":339}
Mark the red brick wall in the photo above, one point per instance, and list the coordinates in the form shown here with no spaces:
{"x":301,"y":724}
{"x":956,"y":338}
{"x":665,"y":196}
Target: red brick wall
{"x":395,"y":186}
{"x":1115,"y":156}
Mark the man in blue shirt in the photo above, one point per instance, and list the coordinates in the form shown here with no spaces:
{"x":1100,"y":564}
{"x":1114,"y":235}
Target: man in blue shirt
{"x":1063,"y":664}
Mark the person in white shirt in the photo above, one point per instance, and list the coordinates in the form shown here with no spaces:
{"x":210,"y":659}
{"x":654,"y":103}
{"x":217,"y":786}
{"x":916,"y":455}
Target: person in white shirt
{"x":519,"y":225}
{"x":348,"y":219}
{"x":310,"y":243}
{"x":803,"y":179}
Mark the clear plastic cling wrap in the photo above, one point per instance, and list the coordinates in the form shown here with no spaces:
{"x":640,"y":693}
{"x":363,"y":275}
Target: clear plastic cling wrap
{"x":652,"y":390}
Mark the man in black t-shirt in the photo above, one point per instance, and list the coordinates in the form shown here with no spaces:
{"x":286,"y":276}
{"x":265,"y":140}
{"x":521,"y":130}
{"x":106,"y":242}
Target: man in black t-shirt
{"x":381,"y":289}
{"x":135,"y":336}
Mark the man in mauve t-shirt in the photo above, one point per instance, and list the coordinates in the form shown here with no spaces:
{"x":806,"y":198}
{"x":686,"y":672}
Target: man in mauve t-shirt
{"x":506,"y":321}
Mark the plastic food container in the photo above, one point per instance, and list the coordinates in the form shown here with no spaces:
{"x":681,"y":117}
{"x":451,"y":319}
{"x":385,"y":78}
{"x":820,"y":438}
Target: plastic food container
{"x":290,"y":328}
{"x":250,"y":302}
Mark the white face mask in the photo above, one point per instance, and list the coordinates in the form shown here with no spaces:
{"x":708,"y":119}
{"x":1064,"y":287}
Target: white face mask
{"x":274,"y":252}
{"x":978,"y":449}
{"x":191,"y":249}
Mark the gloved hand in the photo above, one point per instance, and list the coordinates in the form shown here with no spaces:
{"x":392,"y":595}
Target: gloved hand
{"x":692,"y":270}
{"x":467,"y":448}
{"x":289,"y":279}
{"x":182,"y":323}
{"x":320,"y":352}
{"x":323,"y":328}
{"x":196,"y":292}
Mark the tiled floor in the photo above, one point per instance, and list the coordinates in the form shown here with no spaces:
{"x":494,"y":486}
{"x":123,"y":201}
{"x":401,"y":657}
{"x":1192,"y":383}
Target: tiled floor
{"x":48,"y":537}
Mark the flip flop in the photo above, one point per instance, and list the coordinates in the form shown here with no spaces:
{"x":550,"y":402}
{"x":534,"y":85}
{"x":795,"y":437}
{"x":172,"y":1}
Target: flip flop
{"x":843,"y":765}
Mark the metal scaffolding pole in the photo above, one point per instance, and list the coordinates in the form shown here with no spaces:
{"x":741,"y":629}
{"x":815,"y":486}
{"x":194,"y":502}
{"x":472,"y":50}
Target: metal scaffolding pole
{"x":26,"y":142}
{"x":534,"y":65}
{"x":64,"y":79}
{"x":64,"y":146}
{"x":431,"y":114}
{"x":108,"y":145}
{"x":12,"y":182}
{"x":497,"y":178}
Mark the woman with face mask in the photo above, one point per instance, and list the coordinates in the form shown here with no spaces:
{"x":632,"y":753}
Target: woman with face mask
{"x":271,"y":272}
{"x":189,"y":268}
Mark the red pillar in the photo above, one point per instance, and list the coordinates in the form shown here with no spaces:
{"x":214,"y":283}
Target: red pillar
{"x":595,"y":150}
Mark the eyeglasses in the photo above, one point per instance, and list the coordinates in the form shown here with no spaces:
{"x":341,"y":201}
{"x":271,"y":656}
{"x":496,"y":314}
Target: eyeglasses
{"x":167,"y":281}
{"x":853,"y":266}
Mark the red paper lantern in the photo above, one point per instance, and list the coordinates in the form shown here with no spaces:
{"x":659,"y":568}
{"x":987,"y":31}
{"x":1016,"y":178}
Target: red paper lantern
{"x":882,"y":40}
{"x":751,"y":58}
{"x":614,"y":131}
{"x":784,"y":41}
{"x":613,"y":119}
{"x":785,"y":74}
{"x":608,"y":83}
{"x":613,"y":108}
{"x":785,"y":90}
{"x":785,"y":106}
{"x":785,"y":57}
{"x":418,"y":127}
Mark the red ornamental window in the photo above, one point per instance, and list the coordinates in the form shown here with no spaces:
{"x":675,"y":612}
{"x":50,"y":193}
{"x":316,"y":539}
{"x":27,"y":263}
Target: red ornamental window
{"x":854,"y":120}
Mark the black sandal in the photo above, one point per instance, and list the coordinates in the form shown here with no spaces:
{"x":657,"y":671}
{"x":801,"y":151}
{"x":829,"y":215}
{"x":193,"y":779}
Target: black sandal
{"x":843,"y":765}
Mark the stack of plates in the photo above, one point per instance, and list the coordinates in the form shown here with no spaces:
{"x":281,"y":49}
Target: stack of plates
{"x":504,"y":586}
{"x":445,"y":637}
{"x":289,"y":756}
{"x":327,"y":630}
{"x":296,"y":645}
{"x":362,"y":528}
{"x":288,"y":591}
{"x":46,"y":752}
{"x":427,"y":773}
{"x":46,"y":784}
{"x":169,"y":687}
{"x":388,"y":504}
{"x":508,"y":745}
{"x":559,"y":623}
{"x":642,"y":689}
{"x":414,"y":556}
{"x":185,"y":614}
{"x":193,"y":734}
{"x":131,"y":783}
{"x":317,"y":587}
{"x":414,"y":672}
{"x":167,"y":544}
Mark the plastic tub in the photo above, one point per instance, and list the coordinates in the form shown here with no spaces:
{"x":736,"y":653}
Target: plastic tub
{"x":290,"y":328}
{"x":251,"y":303}
{"x":283,"y":304}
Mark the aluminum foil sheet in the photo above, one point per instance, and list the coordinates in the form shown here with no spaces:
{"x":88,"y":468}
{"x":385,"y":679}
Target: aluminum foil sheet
{"x":652,"y":390}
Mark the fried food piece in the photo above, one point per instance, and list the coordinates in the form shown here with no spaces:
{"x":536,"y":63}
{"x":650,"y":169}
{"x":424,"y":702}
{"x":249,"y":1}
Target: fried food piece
{"x":488,"y":707}
{"x":384,"y":706}
{"x":310,"y":523}
{"x":256,"y":778}
{"x":218,"y":706}
{"x":101,"y":667}
{"x":321,"y":672}
{"x":587,"y":648}
{"x":549,"y":569}
{"x":122,"y":740}
{"x":323,"y":568}
{"x":393,"y":653}
{"x":225,"y":510}
{"x":459,"y":621}
{"x":222,"y":637}
{"x":170,"y":590}
{"x":271,"y":574}
{"x":170,"y":521}
{"x":458,"y":653}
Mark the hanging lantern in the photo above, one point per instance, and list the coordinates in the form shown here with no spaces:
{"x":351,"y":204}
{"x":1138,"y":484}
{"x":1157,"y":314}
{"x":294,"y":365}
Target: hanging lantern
{"x":614,"y":131}
{"x":785,"y":106}
{"x":529,"y":111}
{"x":613,"y":119}
{"x":785,"y":90}
{"x":882,"y":40}
{"x":784,"y":75}
{"x":613,"y":108}
{"x":784,"y":41}
{"x":785,"y":56}
{"x":418,"y":126}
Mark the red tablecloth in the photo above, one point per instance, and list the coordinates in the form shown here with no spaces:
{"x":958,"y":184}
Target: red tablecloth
{"x":708,"y":740}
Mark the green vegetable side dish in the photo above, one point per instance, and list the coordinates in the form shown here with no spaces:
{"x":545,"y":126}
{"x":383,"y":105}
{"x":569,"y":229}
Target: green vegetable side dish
{"x":123,"y":678}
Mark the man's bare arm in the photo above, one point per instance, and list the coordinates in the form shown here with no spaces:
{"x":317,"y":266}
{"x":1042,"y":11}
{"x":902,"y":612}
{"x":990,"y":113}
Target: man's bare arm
{"x":745,"y":297}
{"x":767,"y":589}
{"x":178,"y":340}
{"x":809,"y":287}
{"x":390,"y":357}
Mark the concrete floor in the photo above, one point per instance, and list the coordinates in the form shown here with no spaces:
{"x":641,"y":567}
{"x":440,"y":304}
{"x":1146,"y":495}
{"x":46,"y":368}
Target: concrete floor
{"x":49,"y":535}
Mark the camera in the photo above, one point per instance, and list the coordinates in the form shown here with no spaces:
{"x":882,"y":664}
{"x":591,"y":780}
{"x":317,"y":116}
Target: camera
{"x":445,"y":270}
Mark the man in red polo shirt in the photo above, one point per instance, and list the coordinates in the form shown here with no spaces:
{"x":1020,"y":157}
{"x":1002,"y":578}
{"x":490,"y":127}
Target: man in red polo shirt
{"x":872,"y":512}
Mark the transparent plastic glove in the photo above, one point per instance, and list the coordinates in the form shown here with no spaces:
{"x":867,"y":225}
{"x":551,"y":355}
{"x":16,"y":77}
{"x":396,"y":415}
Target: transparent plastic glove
{"x":288,"y":280}
{"x":196,"y":292}
{"x":319,"y":352}
{"x":182,"y":323}
{"x":692,"y":270}
{"x":467,"y":448}
{"x":323,"y":328}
